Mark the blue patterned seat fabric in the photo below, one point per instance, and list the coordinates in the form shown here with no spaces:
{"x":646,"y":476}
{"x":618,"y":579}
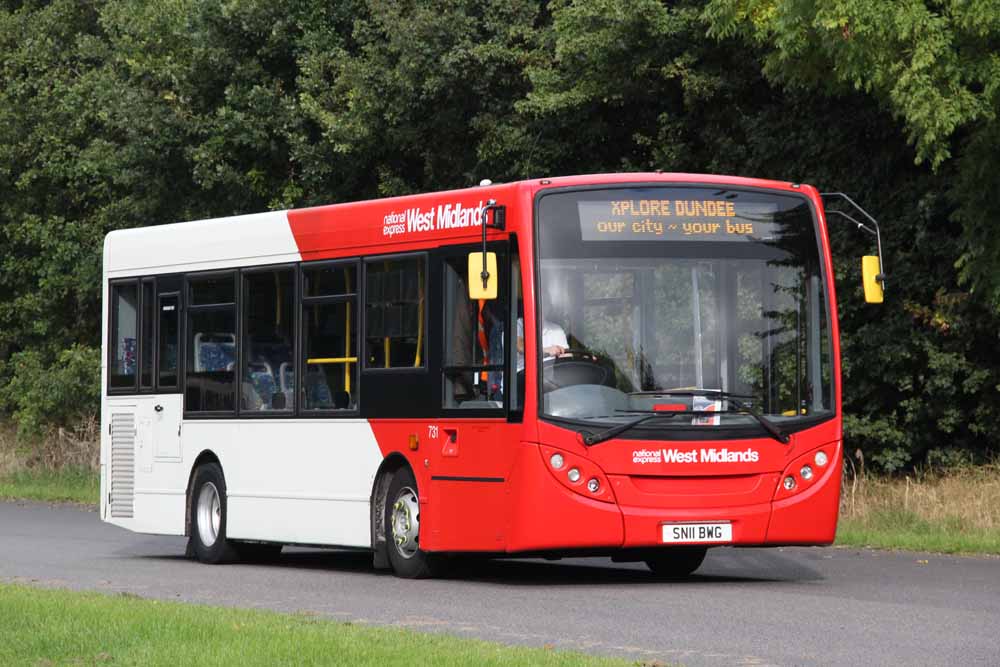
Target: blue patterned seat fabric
{"x":318,"y":394}
{"x":216,"y":356}
{"x":263,"y":383}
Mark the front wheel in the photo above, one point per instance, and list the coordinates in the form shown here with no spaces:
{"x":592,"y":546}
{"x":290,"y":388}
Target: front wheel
{"x":208,"y":540}
{"x":676,"y":562}
{"x":402,"y":529}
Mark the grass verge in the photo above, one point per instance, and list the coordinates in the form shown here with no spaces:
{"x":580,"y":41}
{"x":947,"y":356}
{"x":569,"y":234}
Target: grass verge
{"x":60,"y":467}
{"x":76,"y":485}
{"x":51,"y":627}
{"x":955,"y":511}
{"x":905,"y":530}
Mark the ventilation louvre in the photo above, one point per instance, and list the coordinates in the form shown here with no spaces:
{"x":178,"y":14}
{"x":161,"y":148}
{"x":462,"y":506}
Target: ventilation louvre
{"x":122,"y":464}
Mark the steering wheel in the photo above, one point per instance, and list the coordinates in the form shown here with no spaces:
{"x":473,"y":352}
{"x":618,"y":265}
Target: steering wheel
{"x":572,"y":367}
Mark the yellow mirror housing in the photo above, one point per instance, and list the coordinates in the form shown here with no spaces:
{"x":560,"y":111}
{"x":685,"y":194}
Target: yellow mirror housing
{"x":870,"y":272}
{"x":476,"y":288}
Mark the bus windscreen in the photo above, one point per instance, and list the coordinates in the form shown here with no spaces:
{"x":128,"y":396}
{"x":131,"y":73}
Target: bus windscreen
{"x":673,"y":289}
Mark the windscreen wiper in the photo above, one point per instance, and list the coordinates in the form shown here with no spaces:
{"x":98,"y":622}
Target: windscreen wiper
{"x":595,"y":438}
{"x":766,"y":423}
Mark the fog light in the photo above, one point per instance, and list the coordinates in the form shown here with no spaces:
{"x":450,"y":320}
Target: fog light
{"x":556,"y":461}
{"x":821,"y":458}
{"x":789,"y":483}
{"x":806,"y":472}
{"x":593,"y":485}
{"x":574,"y":475}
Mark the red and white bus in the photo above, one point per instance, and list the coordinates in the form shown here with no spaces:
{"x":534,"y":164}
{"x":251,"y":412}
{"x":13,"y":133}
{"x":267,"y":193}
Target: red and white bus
{"x":656,"y":372}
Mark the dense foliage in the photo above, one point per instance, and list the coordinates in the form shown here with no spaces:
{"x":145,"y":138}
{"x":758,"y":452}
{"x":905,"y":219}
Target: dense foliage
{"x":122,"y":113}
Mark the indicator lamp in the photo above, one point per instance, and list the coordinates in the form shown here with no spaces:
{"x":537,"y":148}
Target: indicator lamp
{"x":574,"y":475}
{"x":821,"y":458}
{"x":556,"y":461}
{"x":806,"y":472}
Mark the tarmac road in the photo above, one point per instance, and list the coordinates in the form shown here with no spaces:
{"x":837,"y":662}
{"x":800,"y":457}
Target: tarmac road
{"x":791,"y":606}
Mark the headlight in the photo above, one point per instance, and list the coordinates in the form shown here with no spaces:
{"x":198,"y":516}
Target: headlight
{"x":556,"y":461}
{"x":574,"y":475}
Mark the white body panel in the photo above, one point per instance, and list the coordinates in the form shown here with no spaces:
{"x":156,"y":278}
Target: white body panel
{"x":264,"y":238}
{"x":159,"y":483}
{"x":288,"y":480}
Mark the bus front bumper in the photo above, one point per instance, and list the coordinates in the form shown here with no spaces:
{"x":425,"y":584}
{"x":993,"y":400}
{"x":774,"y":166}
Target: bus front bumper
{"x":546,"y":515}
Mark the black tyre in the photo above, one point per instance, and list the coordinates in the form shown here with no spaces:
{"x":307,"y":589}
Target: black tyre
{"x":402,"y":529}
{"x":208,"y":541}
{"x":676,"y":562}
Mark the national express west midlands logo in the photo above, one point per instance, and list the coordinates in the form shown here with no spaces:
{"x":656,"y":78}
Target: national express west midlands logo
{"x":416,"y":220}
{"x":644,"y":456}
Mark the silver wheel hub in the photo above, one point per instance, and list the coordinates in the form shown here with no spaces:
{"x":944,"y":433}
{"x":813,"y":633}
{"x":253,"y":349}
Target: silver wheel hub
{"x":406,"y":522}
{"x":209,"y":511}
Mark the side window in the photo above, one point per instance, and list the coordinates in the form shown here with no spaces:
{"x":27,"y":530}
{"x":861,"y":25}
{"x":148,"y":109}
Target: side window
{"x":474,"y":342}
{"x":395,"y":313}
{"x":146,"y":342}
{"x":210,"y":384}
{"x":168,"y":311}
{"x":330,"y":337}
{"x":123,"y":332}
{"x":268,"y":339}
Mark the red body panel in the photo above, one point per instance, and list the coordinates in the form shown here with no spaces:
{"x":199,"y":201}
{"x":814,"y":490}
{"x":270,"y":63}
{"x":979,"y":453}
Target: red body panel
{"x":545,"y":515}
{"x":493,"y":489}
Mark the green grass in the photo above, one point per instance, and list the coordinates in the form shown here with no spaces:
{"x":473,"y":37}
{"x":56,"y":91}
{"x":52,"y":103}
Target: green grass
{"x":902,"y":529}
{"x":49,"y":627}
{"x":67,"y":485}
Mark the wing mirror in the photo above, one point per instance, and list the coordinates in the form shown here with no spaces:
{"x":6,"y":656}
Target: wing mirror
{"x":480,"y":287}
{"x":872,"y":278}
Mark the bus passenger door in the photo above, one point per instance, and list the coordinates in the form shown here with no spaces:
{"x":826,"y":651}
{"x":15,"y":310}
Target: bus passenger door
{"x":472,"y":450}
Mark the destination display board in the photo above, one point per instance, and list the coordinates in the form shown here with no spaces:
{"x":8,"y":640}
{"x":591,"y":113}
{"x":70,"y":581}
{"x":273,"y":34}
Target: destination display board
{"x":677,"y":220}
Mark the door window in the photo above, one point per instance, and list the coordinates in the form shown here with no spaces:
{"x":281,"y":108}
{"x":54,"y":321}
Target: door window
{"x":475,"y":332}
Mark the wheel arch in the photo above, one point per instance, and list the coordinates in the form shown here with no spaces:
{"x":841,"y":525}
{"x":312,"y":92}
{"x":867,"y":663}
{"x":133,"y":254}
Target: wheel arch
{"x":392,"y":463}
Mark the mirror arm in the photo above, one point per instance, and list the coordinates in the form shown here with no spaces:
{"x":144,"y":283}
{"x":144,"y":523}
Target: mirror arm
{"x":877,"y":233}
{"x":498,"y":223}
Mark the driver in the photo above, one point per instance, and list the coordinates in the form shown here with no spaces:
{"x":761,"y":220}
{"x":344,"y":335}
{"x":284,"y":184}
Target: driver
{"x":554,"y":343}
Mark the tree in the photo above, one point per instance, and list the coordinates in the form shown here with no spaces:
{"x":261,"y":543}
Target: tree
{"x":934,"y":65}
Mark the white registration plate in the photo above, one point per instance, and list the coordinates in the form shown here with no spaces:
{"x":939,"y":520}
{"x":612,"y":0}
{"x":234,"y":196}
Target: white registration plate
{"x":697,"y":532}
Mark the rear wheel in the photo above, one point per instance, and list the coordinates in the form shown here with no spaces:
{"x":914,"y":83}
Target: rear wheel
{"x":676,"y":562}
{"x":402,"y":529}
{"x":208,"y":541}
